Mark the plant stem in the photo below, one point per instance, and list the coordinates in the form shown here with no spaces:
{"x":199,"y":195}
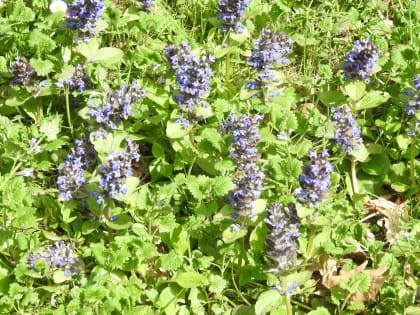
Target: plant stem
{"x":413,"y":162}
{"x":66,"y":93}
{"x":289,"y":305}
{"x":311,"y":238}
{"x":354,"y":175}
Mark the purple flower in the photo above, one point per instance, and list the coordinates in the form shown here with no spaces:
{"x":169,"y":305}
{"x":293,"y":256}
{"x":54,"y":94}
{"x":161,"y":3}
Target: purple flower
{"x":412,"y":107}
{"x":74,"y":166}
{"x":79,"y":81}
{"x":347,"y":135}
{"x":114,"y":173}
{"x":360,"y":60}
{"x":270,"y":51}
{"x":230,"y":13}
{"x":116,"y":108}
{"x":248,"y":178}
{"x":145,"y":4}
{"x":23,"y":72}
{"x":59,"y":256}
{"x":315,"y":179}
{"x":281,"y":241}
{"x":193,"y":77}
{"x":83,"y":15}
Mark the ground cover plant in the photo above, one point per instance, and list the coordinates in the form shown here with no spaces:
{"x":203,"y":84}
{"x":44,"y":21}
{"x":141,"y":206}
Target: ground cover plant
{"x":209,"y":157}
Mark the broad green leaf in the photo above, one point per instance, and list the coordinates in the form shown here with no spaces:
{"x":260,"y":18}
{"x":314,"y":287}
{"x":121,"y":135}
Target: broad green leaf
{"x":362,"y":154}
{"x":355,"y":90}
{"x":50,"y":126}
{"x":89,"y":49}
{"x":17,"y":97}
{"x":360,"y":282}
{"x":257,"y":237}
{"x":243,"y":310}
{"x":108,"y":56}
{"x":268,"y":301}
{"x":111,"y":143}
{"x":59,"y":276}
{"x":180,"y":240}
{"x":122,"y":222}
{"x":230,"y":235}
{"x":190,"y":280}
{"x":319,"y":311}
{"x":3,"y":64}
{"x":42,"y":67}
{"x":356,"y":306}
{"x":217,"y":284}
{"x":377,"y":165}
{"x":171,"y":261}
{"x":240,"y":37}
{"x":175,"y":130}
{"x":332,"y":98}
{"x":372,"y":99}
{"x":222,"y":185}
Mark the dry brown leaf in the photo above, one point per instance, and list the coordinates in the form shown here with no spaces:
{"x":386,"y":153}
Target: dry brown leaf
{"x":377,"y":279}
{"x":390,"y":221}
{"x":331,"y":279}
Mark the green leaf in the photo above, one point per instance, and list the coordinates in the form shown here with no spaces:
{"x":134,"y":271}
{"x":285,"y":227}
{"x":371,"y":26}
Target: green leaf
{"x":356,"y":306}
{"x":332,"y":98}
{"x":240,"y":37}
{"x":190,"y":280}
{"x":319,"y":311}
{"x":89,"y":49}
{"x":59,"y":276}
{"x":42,"y":67}
{"x":175,"y":130}
{"x":217,"y":284}
{"x":362,"y":154}
{"x":41,"y":42}
{"x":180,"y":240}
{"x":372,"y":99}
{"x":230,"y":235}
{"x":355,"y":90}
{"x":171,"y":261}
{"x":378,"y":165}
{"x":108,"y":56}
{"x":243,"y":310}
{"x":257,"y":237}
{"x":360,"y":282}
{"x":50,"y":126}
{"x":123,"y":222}
{"x":268,"y":301}
{"x":222,"y":185}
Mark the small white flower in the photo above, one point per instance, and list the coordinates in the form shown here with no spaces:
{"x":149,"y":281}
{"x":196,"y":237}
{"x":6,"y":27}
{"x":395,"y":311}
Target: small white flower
{"x":27,"y":172}
{"x":58,"y":6}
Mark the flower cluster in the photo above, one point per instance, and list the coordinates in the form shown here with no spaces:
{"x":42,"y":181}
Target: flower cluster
{"x":347,"y":135}
{"x":360,"y":60}
{"x":248,"y":178}
{"x":230,"y":13}
{"x":145,"y":4}
{"x":72,"y":172}
{"x":22,"y":71}
{"x":412,"y":107}
{"x":83,"y":15}
{"x":116,"y":108}
{"x":59,"y":256}
{"x":315,"y":179}
{"x":270,"y":50}
{"x":281,"y":241}
{"x":114,"y":173}
{"x":78,"y":82}
{"x":193,"y":76}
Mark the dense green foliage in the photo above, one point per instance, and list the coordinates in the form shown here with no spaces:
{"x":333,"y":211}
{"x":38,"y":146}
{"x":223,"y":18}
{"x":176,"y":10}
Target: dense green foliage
{"x":168,"y":243}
